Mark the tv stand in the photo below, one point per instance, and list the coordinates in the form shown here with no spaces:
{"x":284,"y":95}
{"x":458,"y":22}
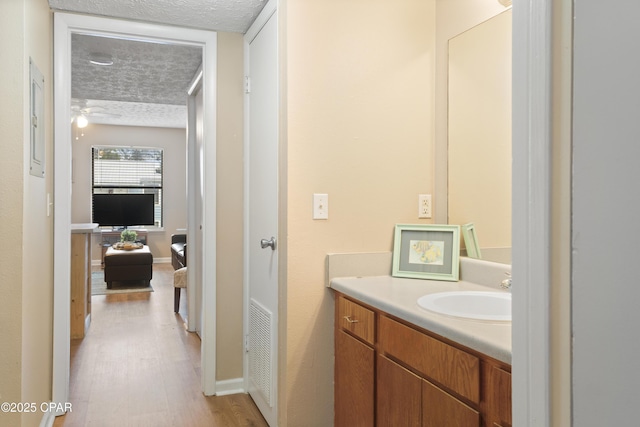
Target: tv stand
{"x":109,"y":237}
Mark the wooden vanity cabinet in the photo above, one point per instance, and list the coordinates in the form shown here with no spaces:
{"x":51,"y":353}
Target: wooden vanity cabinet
{"x":439,"y":362}
{"x":354,"y":365}
{"x":499,"y":389}
{"x":399,"y":395}
{"x":439,"y":408}
{"x":405,"y":399}
{"x":418,"y":379}
{"x":456,"y":371}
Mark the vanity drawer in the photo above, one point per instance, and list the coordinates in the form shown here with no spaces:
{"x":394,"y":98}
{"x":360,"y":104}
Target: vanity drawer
{"x":449,"y":366}
{"x":358,"y":320}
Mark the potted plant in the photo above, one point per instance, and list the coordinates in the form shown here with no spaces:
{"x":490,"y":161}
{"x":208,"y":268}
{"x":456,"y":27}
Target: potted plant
{"x":128,"y":236}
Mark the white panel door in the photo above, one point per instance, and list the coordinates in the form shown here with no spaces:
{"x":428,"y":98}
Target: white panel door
{"x":194,"y":253}
{"x":261,"y":263}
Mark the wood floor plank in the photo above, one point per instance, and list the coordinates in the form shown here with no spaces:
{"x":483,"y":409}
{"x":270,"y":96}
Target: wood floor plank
{"x":139,"y":366}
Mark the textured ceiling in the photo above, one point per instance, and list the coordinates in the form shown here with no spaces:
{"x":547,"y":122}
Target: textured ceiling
{"x":217,"y":15}
{"x":145,"y":86}
{"x":148,"y":82}
{"x":141,"y":72}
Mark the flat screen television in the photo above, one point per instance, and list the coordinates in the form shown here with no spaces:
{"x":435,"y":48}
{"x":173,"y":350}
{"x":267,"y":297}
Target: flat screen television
{"x":123,"y":210}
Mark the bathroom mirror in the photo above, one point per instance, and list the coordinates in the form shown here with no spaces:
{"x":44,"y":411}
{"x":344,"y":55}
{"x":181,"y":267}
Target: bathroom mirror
{"x":479,"y":134}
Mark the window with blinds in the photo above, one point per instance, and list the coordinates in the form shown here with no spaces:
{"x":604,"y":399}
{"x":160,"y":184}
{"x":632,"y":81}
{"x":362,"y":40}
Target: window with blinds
{"x":129,"y":170}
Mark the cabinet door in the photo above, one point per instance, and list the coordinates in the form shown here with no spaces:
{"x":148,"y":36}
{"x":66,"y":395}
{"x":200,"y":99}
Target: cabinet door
{"x":453,"y":368}
{"x":354,"y":382}
{"x":501,"y":396}
{"x":399,"y":393}
{"x":440,"y":409}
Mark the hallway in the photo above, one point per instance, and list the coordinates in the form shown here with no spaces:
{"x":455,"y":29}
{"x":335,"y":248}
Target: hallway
{"x":138,"y":366}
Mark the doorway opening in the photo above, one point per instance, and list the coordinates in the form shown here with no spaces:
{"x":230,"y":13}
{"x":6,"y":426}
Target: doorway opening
{"x":65,"y":26}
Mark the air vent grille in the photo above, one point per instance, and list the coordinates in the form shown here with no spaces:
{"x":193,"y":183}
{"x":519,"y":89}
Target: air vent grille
{"x":260,"y":349}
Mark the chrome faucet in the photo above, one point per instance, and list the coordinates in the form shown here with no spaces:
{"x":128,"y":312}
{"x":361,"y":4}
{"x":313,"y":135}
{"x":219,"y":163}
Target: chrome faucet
{"x":506,"y":283}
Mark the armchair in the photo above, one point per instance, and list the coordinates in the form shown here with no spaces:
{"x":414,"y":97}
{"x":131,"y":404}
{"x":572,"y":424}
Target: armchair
{"x":178,"y":251}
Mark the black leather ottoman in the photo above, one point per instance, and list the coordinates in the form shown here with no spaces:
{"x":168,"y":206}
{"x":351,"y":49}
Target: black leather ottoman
{"x":128,"y":265}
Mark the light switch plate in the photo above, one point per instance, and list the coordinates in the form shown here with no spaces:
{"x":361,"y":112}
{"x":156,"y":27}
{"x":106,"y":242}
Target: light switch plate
{"x":320,"y":206}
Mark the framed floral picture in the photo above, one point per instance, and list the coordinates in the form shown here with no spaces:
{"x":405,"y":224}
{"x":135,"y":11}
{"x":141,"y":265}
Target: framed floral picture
{"x":426,"y":251}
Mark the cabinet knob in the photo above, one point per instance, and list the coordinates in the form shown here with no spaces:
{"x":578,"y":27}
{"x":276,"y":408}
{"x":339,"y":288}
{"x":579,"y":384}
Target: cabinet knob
{"x":350,"y":320}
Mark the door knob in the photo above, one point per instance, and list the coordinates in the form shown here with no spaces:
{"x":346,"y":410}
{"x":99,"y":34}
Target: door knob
{"x":264,"y":243}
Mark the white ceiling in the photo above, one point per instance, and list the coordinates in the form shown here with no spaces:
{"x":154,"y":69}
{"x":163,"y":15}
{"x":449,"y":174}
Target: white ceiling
{"x":147,"y":83}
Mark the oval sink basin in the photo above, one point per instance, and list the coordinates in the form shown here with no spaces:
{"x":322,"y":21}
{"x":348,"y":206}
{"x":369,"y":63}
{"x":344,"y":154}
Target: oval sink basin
{"x":491,"y":306}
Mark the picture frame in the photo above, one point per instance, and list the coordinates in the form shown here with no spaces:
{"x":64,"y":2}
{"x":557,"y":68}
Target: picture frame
{"x":426,"y":251}
{"x":471,"y":241}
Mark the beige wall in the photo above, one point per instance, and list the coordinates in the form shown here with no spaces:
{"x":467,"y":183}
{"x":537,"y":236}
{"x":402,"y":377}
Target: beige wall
{"x":26,"y":275}
{"x":12,"y":176}
{"x":37,"y":280}
{"x":229,"y":194}
{"x":360,"y":128}
{"x":172,"y":141}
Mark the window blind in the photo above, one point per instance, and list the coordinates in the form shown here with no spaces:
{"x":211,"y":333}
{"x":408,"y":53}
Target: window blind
{"x":127,"y":167}
{"x":129,"y":170}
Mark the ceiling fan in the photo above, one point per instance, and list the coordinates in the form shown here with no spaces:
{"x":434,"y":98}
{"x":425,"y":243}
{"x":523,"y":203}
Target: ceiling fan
{"x":82,"y":110}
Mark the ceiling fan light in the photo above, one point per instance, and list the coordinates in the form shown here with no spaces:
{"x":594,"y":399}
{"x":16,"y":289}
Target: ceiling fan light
{"x":82,"y":122}
{"x":100,"y":59}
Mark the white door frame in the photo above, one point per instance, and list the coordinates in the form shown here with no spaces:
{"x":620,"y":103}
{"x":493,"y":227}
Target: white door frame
{"x":64,"y":26}
{"x":531,"y":197}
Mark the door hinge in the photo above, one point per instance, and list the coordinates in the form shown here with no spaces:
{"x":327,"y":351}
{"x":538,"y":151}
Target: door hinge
{"x":247,"y":84}
{"x":246,"y":343}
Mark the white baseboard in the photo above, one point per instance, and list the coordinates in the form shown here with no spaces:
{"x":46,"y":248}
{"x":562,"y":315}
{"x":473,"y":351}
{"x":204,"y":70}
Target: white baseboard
{"x":233,"y":386}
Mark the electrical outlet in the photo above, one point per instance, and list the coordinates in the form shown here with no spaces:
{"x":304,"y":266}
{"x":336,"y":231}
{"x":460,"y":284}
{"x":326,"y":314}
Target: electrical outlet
{"x":424,"y":205}
{"x":320,"y":206}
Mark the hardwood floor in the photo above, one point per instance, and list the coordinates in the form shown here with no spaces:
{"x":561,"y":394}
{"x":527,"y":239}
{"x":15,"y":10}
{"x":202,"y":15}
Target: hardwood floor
{"x":138,"y":366}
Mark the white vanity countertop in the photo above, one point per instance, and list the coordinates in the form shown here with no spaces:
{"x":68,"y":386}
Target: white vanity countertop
{"x":83,"y":228}
{"x":398,"y":297}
